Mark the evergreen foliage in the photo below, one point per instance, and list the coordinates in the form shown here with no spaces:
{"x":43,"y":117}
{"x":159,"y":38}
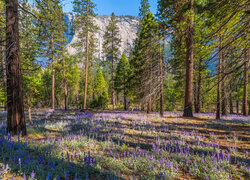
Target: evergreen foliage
{"x":122,"y":77}
{"x":111,"y":51}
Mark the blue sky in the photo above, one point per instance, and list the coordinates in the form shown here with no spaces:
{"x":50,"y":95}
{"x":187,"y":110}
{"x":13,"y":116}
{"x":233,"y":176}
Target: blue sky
{"x":119,"y":7}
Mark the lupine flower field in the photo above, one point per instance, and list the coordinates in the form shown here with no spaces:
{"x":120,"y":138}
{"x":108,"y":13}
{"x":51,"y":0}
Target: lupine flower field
{"x":126,"y":145}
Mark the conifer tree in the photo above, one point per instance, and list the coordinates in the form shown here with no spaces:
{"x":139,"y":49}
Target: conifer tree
{"x":144,"y":9}
{"x":50,"y":27}
{"x":84,"y":23}
{"x":15,"y":108}
{"x":29,"y":52}
{"x":111,"y":49}
{"x":122,"y":77}
{"x":145,"y":62}
{"x":101,"y":92}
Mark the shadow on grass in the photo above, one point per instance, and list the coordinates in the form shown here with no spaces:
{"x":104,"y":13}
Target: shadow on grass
{"x":22,"y":158}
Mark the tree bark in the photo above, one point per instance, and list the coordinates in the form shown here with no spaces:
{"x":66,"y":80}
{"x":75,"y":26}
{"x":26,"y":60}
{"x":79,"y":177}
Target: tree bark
{"x":4,"y":65}
{"x":149,"y":107}
{"x":245,"y":89}
{"x":218,"y":87}
{"x":112,"y":74}
{"x":237,"y":106}
{"x":231,"y":98}
{"x":15,"y":111}
{"x":52,"y":72}
{"x":29,"y":109}
{"x":124,"y":93}
{"x":195,"y":96}
{"x":161,"y":85}
{"x":199,"y":88}
{"x":86,"y":72}
{"x":223,"y":85}
{"x":65,"y":84}
{"x":86,"y":66}
{"x":188,"y":112}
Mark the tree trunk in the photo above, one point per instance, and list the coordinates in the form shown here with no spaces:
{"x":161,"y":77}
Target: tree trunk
{"x":113,"y":85}
{"x":188,"y":112}
{"x":149,"y":107}
{"x":65,"y":84}
{"x":125,"y":101}
{"x":15,"y":111}
{"x":199,"y":88}
{"x":52,"y":72}
{"x":195,"y":96}
{"x":3,"y":63}
{"x":218,"y":88}
{"x":245,"y":89}
{"x":124,"y":93}
{"x":237,"y":106}
{"x":161,"y":85}
{"x":86,"y":72}
{"x":231,"y":98}
{"x":223,"y":86}
{"x":29,"y":109}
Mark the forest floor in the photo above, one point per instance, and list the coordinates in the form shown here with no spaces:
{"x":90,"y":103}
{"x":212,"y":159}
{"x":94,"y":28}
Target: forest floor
{"x":127,"y":145}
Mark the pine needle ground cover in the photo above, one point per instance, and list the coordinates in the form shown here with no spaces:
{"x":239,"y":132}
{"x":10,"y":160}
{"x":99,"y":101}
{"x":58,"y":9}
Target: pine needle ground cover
{"x":127,"y":145}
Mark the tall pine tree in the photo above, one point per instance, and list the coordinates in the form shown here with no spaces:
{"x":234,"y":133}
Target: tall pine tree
{"x":111,"y":49}
{"x":50,"y":23}
{"x":84,"y":23}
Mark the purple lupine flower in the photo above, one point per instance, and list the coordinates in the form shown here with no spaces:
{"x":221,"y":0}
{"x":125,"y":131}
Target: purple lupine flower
{"x":24,"y":176}
{"x":32,"y":175}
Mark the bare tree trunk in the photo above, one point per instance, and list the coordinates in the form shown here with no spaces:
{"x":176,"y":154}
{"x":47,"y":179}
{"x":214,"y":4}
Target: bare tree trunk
{"x":113,"y":85}
{"x":199,"y":88}
{"x":125,"y":100}
{"x":86,"y":72}
{"x":29,"y":109}
{"x":223,"y":86}
{"x":65,"y":84}
{"x":195,"y":97}
{"x":237,"y":106}
{"x":161,"y":86}
{"x":245,"y":89}
{"x":3,"y":63}
{"x":231,"y":98}
{"x":188,"y":112}
{"x":124,"y":93}
{"x":149,"y":105}
{"x":52,"y":72}
{"x":15,"y":116}
{"x":218,"y":88}
{"x":93,"y":94}
{"x":149,"y":108}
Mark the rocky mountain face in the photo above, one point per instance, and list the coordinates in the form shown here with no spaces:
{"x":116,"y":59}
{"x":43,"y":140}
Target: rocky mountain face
{"x":128,"y":26}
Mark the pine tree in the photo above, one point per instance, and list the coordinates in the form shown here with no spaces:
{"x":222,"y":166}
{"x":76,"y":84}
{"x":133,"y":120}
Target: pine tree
{"x":145,"y":62}
{"x":111,"y":49}
{"x":84,"y":23}
{"x":29,"y":52}
{"x":50,"y":29}
{"x":144,"y":9}
{"x":122,"y":77}
{"x":15,"y":108}
{"x":245,"y":88}
{"x":188,"y":112}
